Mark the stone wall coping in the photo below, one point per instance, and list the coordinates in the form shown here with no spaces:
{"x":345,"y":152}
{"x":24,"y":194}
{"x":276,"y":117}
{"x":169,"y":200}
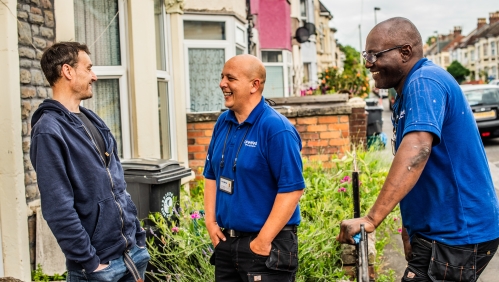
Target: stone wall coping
{"x":312,"y":99}
{"x":287,"y":111}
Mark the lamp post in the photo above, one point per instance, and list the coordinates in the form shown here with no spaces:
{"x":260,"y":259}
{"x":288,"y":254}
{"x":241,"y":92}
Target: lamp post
{"x":438,"y":48}
{"x":375,"y":20}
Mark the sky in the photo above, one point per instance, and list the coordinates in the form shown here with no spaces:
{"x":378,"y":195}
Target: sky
{"x":428,"y":16}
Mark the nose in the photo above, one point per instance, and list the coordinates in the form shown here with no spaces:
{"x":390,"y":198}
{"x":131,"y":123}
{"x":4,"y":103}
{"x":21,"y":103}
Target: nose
{"x":368,"y":64}
{"x":223,"y":82}
{"x":94,"y":77}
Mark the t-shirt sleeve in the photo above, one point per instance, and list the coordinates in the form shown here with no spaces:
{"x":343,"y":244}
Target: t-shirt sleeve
{"x":285,"y":161}
{"x":425,"y":107}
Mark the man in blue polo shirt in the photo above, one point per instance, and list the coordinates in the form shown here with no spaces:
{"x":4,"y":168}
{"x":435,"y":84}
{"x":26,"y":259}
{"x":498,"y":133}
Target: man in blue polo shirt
{"x":440,"y":173}
{"x":253,"y":182}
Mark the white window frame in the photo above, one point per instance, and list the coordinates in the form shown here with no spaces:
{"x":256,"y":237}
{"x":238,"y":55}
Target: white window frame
{"x":286,"y":64}
{"x":120,"y":73}
{"x":164,"y":75}
{"x":229,"y":44}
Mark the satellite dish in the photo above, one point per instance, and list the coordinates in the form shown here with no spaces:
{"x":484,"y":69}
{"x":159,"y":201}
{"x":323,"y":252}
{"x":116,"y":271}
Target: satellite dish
{"x":302,"y":35}
{"x":310,"y":27}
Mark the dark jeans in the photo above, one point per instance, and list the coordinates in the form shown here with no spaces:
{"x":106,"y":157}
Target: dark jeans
{"x":116,"y":271}
{"x":235,"y":262}
{"x":433,"y":261}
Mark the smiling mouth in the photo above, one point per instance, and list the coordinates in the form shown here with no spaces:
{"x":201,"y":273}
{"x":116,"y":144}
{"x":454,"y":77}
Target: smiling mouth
{"x":375,"y":72}
{"x":227,"y":94}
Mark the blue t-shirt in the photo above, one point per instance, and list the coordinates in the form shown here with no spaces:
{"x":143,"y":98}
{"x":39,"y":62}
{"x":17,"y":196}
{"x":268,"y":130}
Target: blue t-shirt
{"x":268,"y":162}
{"x":454,"y":201}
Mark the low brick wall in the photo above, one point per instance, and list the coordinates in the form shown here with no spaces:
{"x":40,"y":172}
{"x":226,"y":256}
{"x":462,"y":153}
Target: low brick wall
{"x":326,"y":130}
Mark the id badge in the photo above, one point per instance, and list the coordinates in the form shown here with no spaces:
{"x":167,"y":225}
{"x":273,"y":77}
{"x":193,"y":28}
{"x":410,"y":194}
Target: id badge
{"x":226,"y":185}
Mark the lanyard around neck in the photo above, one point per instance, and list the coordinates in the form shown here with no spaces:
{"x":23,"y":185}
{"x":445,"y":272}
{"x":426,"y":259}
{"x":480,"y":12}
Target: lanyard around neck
{"x":222,"y":162}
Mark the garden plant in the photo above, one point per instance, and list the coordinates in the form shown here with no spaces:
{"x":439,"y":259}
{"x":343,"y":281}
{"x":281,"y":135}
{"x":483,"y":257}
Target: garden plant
{"x":180,"y":247}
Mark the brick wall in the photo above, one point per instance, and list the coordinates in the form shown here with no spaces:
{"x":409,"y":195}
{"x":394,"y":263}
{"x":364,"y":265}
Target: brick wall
{"x":325,"y":132}
{"x":36,"y":29}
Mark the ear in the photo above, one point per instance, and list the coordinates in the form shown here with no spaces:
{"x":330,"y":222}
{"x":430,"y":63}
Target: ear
{"x":406,"y":53}
{"x":255,"y":85}
{"x":67,"y":71}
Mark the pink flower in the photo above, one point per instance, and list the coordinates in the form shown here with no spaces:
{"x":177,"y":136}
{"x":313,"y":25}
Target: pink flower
{"x":399,"y":230}
{"x":342,"y":189}
{"x":395,"y":219}
{"x":195,"y":215}
{"x":175,"y":229}
{"x":345,"y":179}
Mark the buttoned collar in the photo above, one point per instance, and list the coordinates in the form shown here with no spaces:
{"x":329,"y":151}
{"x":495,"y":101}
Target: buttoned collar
{"x":255,"y":113}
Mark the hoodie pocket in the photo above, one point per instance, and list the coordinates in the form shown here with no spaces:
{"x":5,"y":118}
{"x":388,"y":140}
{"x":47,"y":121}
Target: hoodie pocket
{"x":108,"y":228}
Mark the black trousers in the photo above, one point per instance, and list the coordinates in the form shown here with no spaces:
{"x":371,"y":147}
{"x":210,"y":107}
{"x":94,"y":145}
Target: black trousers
{"x":432,"y":261}
{"x":235,"y":262}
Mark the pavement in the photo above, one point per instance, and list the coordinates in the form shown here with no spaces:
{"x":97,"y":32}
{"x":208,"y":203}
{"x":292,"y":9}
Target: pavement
{"x":394,"y":252}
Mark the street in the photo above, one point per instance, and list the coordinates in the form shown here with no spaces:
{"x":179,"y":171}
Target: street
{"x":394,"y":252}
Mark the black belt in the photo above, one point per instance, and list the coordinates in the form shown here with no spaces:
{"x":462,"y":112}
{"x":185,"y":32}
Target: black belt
{"x":234,"y":233}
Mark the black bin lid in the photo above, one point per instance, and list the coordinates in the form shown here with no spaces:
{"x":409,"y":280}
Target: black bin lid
{"x":148,"y":165}
{"x":153,"y":171}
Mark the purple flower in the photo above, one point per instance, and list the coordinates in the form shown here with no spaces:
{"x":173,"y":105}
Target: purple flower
{"x":195,"y":215}
{"x":345,"y":179}
{"x":342,"y":189}
{"x":175,"y":229}
{"x":399,"y":230}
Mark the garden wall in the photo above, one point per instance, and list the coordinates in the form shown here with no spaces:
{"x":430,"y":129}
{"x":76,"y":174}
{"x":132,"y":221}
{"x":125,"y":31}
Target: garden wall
{"x":327,"y":126}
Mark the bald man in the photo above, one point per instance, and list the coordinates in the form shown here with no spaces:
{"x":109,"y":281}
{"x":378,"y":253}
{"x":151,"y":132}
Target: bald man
{"x":253,"y":182}
{"x":440,"y":174}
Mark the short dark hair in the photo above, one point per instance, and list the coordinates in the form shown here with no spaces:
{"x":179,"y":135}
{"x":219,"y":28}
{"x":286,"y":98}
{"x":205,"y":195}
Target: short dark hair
{"x":59,"y":54}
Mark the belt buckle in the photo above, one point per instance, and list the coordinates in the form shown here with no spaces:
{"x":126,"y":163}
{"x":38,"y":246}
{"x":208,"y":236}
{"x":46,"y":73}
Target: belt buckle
{"x":232,"y":233}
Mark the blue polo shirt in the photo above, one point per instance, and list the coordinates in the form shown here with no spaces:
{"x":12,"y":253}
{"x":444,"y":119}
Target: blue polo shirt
{"x":454,"y":201}
{"x":268,"y":162}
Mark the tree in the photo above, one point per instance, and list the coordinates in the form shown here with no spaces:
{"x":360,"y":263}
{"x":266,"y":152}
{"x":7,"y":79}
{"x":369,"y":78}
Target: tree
{"x":352,"y":80}
{"x":458,"y":71}
{"x":431,"y":40}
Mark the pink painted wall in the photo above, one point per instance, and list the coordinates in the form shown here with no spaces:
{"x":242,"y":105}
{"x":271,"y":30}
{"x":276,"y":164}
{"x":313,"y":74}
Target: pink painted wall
{"x":273,"y":23}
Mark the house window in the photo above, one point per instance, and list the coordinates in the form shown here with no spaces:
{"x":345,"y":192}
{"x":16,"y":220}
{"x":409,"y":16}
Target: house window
{"x":303,"y":9}
{"x":321,"y":38}
{"x":472,"y":55}
{"x":209,"y":41}
{"x":478,"y":53}
{"x":492,"y":48}
{"x":278,"y":65}
{"x":166,"y":121}
{"x":205,"y":66}
{"x":485,"y":49}
{"x":204,"y":30}
{"x":101,"y":25}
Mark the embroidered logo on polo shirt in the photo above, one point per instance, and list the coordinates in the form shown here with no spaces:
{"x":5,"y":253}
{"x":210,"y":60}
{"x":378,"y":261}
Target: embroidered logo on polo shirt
{"x":251,"y":144}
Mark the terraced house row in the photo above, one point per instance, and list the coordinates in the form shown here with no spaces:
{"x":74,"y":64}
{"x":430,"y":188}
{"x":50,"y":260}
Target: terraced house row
{"x":476,"y":51}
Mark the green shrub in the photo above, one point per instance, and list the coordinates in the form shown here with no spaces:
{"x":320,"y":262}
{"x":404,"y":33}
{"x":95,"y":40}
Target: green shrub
{"x":183,"y":254}
{"x":38,"y":275}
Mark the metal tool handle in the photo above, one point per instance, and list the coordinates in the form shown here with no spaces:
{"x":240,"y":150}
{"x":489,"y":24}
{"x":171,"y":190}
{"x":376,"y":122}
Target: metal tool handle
{"x":362,"y":260}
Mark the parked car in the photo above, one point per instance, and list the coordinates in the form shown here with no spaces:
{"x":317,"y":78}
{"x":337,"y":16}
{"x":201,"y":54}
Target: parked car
{"x":382,"y":93}
{"x":391,"y":98}
{"x":484,"y":102}
{"x":494,"y":82}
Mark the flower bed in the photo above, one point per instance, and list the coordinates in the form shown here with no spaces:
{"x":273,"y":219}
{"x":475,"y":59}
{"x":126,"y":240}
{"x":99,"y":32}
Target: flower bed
{"x":180,"y":248}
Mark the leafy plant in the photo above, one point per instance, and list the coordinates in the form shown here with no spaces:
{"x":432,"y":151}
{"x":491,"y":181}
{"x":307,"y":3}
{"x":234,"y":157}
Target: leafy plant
{"x":38,"y":275}
{"x":180,"y":247}
{"x":458,"y":71}
{"x":353,"y":79}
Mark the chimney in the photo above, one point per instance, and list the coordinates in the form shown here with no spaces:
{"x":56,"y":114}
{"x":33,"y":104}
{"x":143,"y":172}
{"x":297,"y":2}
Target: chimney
{"x":457,"y":31}
{"x":493,"y":17}
{"x":481,"y":22}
